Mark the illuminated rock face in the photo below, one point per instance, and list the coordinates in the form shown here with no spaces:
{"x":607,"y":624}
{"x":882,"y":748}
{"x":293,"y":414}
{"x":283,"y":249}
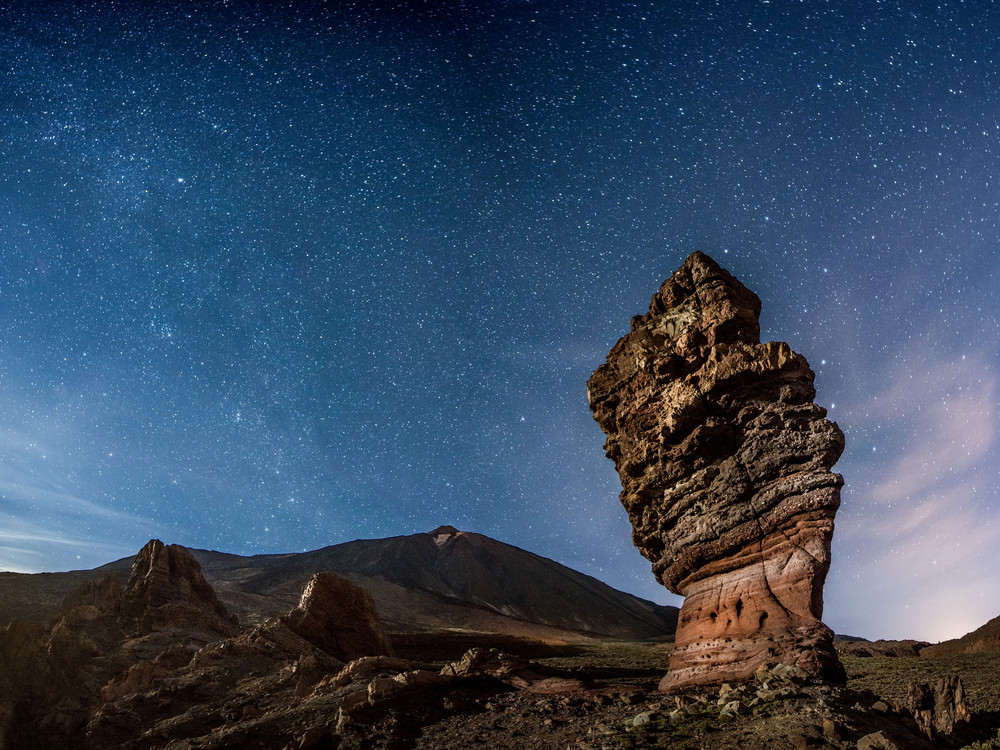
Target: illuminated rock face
{"x":725,"y":467}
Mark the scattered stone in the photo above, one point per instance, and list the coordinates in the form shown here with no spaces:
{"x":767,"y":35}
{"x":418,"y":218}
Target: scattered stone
{"x":314,"y":737}
{"x":733,"y":708}
{"x":362,"y":669}
{"x":725,"y":468}
{"x":421,"y":679}
{"x":877,"y":741}
{"x":803,"y":742}
{"x":727,"y":693}
{"x":787,"y":673}
{"x":381,"y":687}
{"x":643,"y":718}
{"x":486,"y":661}
{"x":833,"y":729}
{"x":683,"y":700}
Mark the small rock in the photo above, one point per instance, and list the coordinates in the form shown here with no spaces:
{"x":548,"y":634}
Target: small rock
{"x":312,"y":737}
{"x":833,"y":729}
{"x":733,"y":708}
{"x":381,"y":687}
{"x":877,"y":741}
{"x":725,"y":690}
{"x":881,"y":707}
{"x":683,"y":700}
{"x":361,"y":669}
{"x":353,"y":700}
{"x":790,"y":673}
{"x":640,"y":719}
{"x":485,"y":661}
{"x":603,"y":730}
{"x":250,"y":712}
{"x":420,"y":679}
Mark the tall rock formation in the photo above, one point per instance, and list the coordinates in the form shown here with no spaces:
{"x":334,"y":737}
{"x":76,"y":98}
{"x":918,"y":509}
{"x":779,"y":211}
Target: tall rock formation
{"x":166,"y":587}
{"x":725,"y":467}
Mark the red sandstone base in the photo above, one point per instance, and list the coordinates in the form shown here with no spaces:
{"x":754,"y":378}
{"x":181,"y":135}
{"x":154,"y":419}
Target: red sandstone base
{"x":766,"y":612}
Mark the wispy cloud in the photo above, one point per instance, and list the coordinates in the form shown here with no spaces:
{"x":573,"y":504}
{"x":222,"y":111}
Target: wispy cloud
{"x":46,"y":523}
{"x":70,"y":533}
{"x":918,"y":523}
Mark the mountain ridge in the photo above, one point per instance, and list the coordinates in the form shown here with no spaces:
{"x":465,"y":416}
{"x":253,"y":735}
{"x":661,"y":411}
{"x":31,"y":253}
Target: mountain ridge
{"x":442,"y":579}
{"x":983,"y":640}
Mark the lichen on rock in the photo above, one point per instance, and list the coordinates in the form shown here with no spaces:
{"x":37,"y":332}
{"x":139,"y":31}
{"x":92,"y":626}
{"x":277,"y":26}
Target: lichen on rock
{"x":725,"y":463}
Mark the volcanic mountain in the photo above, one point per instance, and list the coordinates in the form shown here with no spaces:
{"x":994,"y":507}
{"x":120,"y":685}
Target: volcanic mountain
{"x":444,"y":579}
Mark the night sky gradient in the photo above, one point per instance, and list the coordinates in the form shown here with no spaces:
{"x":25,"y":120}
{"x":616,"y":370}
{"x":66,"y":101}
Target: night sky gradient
{"x":275,"y":276}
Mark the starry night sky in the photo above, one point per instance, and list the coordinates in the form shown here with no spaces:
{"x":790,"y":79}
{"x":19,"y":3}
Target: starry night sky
{"x":273,"y":278}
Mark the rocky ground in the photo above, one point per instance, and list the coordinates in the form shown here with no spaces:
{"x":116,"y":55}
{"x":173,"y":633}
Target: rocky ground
{"x":161,"y":663}
{"x":615,"y":706}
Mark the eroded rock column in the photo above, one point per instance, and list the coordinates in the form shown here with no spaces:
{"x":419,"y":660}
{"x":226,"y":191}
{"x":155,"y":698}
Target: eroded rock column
{"x":725,"y":467}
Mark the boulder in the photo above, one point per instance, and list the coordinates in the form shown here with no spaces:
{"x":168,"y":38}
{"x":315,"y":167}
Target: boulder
{"x":725,"y":466}
{"x":339,"y":618}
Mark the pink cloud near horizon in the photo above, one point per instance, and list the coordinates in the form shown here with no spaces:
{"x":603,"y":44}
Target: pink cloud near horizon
{"x":918,"y":527}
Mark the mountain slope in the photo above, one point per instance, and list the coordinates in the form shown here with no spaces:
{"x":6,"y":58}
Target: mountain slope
{"x":445,"y":579}
{"x":982,"y":640}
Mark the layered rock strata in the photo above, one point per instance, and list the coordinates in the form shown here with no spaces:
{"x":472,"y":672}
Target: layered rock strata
{"x":725,"y":466}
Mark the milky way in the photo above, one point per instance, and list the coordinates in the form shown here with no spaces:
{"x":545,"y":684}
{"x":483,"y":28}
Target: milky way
{"x":277,"y":278}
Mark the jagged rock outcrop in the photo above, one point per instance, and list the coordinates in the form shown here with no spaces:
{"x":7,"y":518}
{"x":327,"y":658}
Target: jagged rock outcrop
{"x":272,"y":682}
{"x":939,"y":707}
{"x":725,"y":468}
{"x":339,"y":618}
{"x":166,"y":586}
{"x":104,"y":642}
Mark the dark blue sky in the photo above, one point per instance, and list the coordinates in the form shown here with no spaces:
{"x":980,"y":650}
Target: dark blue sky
{"x":273,"y":278}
